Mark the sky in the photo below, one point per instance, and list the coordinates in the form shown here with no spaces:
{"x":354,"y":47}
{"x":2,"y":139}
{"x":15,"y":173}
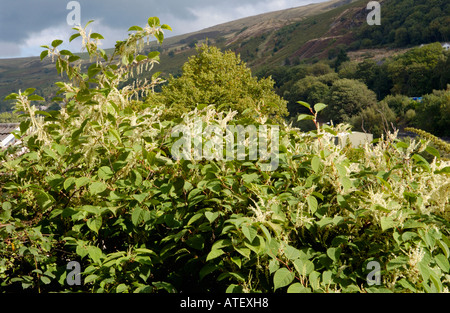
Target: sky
{"x":25,"y":25}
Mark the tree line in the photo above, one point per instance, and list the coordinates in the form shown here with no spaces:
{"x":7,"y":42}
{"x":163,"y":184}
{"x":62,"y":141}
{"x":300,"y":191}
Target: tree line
{"x":407,"y":89}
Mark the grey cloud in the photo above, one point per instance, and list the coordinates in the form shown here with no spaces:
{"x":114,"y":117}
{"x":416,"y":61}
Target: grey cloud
{"x":20,"y":18}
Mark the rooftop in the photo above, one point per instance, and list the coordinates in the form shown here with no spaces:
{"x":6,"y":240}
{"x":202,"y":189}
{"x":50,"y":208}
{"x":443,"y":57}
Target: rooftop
{"x":6,"y":129}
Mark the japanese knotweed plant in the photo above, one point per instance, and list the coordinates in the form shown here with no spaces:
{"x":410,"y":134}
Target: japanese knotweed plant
{"x":96,"y":183}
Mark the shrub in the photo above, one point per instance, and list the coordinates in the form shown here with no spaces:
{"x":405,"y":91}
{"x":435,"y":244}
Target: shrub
{"x":348,"y":97}
{"x":95,"y":183}
{"x":377,"y":119}
{"x":220,"y":79}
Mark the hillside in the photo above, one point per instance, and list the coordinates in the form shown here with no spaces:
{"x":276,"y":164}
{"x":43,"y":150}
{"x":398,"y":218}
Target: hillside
{"x":21,"y":73}
{"x":307,"y":33}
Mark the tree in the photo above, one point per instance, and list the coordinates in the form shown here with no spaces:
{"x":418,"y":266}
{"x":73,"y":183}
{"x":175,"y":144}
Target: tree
{"x":433,"y":113}
{"x":400,"y":104}
{"x":412,"y":72}
{"x":310,"y":89}
{"x":348,"y":97}
{"x":376,"y":119}
{"x":10,"y":117}
{"x":221,"y":79}
{"x":348,"y":70}
{"x":341,"y":58}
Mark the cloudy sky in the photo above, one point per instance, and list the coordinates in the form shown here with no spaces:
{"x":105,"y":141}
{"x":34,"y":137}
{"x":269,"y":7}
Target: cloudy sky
{"x":27,"y":24}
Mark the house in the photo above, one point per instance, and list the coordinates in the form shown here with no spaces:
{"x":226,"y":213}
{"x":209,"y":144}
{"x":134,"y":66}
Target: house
{"x":6,"y":136}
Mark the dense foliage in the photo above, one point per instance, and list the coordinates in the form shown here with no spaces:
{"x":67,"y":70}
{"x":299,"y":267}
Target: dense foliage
{"x":349,"y":91}
{"x":411,"y":22}
{"x":221,"y":79}
{"x":95,"y":182}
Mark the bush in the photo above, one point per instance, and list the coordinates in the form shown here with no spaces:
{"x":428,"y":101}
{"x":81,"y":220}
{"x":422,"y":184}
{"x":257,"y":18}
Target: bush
{"x":377,"y":119}
{"x":348,"y":97}
{"x":95,"y":183}
{"x":433,"y":113}
{"x":220,"y":79}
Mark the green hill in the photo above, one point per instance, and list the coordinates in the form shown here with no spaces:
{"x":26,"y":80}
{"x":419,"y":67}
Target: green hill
{"x":291,"y":36}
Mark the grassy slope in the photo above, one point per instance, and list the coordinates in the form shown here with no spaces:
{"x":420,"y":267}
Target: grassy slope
{"x":268,"y":39}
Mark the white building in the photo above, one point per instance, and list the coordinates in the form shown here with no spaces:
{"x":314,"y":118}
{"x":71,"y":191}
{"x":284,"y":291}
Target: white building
{"x":6,"y":136}
{"x":354,"y":138}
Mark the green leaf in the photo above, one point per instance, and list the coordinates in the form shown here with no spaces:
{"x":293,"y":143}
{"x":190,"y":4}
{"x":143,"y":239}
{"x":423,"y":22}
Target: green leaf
{"x":314,"y":280}
{"x":12,"y":96}
{"x":424,"y":271}
{"x":304,"y":267}
{"x":334,"y":253}
{"x":140,"y":58}
{"x":154,"y":21}
{"x":319,"y":107}
{"x":90,"y":278}
{"x":105,"y":173}
{"x":237,"y":260}
{"x":56,"y":43}
{"x":28,"y":91}
{"x":43,"y":54}
{"x":65,"y":52}
{"x":386,"y":223}
{"x":46,"y":280}
{"x":249,"y":232}
{"x":69,"y":183}
{"x":282,"y":278}
{"x":397,"y":262}
{"x":315,"y":164}
{"x":444,"y":248}
{"x":95,"y":253}
{"x":433,"y":152}
{"x":121,"y":288}
{"x":249,"y":178}
{"x":244,"y":251}
{"x":135,"y":28}
{"x":443,"y":263}
{"x":306,"y":105}
{"x":96,"y":36}
{"x":74,"y":36}
{"x":407,"y":285}
{"x":97,"y":187}
{"x":194,"y":218}
{"x":82,"y":181}
{"x":421,"y":161}
{"x":93,"y":70}
{"x":73,"y":58}
{"x":302,"y":117}
{"x":214,"y":254}
{"x":291,"y":253}
{"x":298,"y":288}
{"x":137,"y":216}
{"x":274,"y":265}
{"x":51,"y":153}
{"x":141,"y":197}
{"x":153,"y":54}
{"x":312,"y":204}
{"x":91,"y":209}
{"x":165,"y":26}
{"x":211,"y":216}
{"x":95,"y":223}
